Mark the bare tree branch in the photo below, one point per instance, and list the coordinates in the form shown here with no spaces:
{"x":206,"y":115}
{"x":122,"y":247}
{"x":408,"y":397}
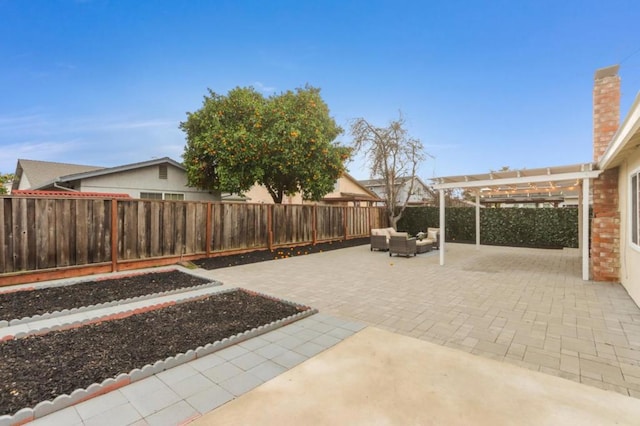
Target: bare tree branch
{"x":393,"y":157}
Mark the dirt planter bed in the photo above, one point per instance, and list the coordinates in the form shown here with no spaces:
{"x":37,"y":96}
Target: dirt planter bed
{"x":277,"y":253}
{"x":72,"y":365}
{"x":29,"y":304}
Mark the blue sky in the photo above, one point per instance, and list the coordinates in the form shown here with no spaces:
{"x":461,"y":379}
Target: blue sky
{"x":481,"y":84}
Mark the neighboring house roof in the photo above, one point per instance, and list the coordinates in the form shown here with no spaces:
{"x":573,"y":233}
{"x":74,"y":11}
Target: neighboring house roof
{"x":372,"y":183}
{"x":401,"y":180}
{"x":105,"y":171}
{"x":40,"y":172}
{"x":626,"y":139}
{"x":366,"y":195}
{"x":67,"y":194}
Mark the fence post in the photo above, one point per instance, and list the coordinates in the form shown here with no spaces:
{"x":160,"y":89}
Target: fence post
{"x":114,"y":235}
{"x":208,"y":229}
{"x":270,"y":226}
{"x":314,"y":231}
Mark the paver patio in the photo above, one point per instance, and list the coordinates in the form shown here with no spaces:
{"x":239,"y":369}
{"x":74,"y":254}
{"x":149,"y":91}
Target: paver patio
{"x":527,"y":307}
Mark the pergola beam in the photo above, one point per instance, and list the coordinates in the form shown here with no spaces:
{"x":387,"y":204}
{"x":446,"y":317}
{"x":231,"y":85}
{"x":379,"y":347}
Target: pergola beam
{"x":497,"y":182}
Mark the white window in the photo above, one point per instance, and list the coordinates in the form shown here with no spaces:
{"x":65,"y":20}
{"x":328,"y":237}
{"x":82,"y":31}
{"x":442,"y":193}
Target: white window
{"x":634,"y":215}
{"x":151,"y":195}
{"x":173,"y":197}
{"x":169,"y":196}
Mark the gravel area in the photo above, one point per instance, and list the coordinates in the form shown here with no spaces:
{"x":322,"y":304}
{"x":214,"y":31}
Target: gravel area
{"x":27,"y":303}
{"x":278,"y":253}
{"x":39,"y":368}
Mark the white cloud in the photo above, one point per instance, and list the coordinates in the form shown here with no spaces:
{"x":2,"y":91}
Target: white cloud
{"x":265,"y":89}
{"x":12,"y":123}
{"x":37,"y":150}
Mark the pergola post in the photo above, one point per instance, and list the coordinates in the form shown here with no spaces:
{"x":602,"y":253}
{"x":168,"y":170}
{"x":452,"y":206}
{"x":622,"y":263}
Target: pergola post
{"x":477,"y":221}
{"x":585,"y":229}
{"x":442,"y":230}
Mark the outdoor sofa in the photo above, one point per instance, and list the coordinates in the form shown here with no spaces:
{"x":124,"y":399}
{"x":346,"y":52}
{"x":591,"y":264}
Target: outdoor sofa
{"x":401,"y":245}
{"x":433,"y":237}
{"x":380,"y":238}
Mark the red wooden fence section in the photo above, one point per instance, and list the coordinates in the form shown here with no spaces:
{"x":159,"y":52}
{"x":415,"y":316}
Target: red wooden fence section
{"x":49,"y":238}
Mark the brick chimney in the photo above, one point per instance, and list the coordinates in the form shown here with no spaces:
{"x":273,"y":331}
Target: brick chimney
{"x":606,"y":108}
{"x":605,"y":231}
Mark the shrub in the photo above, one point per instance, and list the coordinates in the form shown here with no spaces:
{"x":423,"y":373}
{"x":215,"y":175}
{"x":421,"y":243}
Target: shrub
{"x":523,"y":227}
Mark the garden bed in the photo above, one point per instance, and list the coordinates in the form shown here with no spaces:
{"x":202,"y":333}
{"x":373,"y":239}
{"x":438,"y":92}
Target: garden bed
{"x":278,"y":253}
{"x":28,"y":303}
{"x":41,"y":367}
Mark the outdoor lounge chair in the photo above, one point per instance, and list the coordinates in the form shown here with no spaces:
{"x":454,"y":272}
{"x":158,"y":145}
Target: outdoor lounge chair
{"x":380,"y":238}
{"x":433,"y":236}
{"x":401,"y":245}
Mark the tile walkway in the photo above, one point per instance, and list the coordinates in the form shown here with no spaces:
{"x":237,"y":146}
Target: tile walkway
{"x":189,"y":390}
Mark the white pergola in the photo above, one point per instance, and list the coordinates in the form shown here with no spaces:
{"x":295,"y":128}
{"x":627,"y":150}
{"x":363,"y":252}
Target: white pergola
{"x":548,"y":181}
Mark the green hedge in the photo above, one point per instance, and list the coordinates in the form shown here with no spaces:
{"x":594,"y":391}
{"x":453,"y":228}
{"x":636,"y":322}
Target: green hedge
{"x":525,"y":227}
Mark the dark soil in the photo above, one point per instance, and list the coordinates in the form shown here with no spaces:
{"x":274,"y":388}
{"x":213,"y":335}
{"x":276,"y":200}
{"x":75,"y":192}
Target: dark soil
{"x":279,"y":253}
{"x":39,"y":368}
{"x":20,"y":304}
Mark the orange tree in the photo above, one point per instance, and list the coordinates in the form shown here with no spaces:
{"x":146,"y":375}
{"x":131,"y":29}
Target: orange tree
{"x":4,"y":180}
{"x":285,"y":142}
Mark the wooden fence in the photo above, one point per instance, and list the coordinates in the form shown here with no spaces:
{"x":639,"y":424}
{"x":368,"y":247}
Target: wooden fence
{"x":48,"y":238}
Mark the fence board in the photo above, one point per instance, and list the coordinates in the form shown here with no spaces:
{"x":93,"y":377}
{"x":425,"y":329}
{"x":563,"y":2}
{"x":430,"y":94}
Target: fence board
{"x":92,"y":231}
{"x":20,"y":234}
{"x":200,"y":228}
{"x":155,"y":230}
{"x":8,"y":236}
{"x":141,"y":231}
{"x":43,"y":230}
{"x":52,"y":252}
{"x":167,"y":228}
{"x":216,"y":226}
{"x":31,"y":254}
{"x":63,"y":214}
{"x":179,"y":221}
{"x":128,"y":229}
{"x":102,"y":230}
{"x":81,"y":220}
{"x":190,"y":228}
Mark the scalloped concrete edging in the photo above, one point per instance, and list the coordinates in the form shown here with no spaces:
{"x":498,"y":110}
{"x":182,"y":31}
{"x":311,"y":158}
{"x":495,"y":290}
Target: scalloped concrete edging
{"x":60,"y":402}
{"x":56,"y":314}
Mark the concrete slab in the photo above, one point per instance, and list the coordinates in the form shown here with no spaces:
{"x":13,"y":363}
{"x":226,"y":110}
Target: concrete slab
{"x":380,"y":378}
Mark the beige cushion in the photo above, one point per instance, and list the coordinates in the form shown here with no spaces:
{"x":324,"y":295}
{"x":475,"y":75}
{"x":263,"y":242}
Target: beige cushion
{"x":400,"y":234}
{"x":376,"y":231}
{"x":432,"y":234}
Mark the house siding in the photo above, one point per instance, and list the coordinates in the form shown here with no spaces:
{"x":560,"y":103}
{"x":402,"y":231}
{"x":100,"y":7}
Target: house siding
{"x":146,"y":179}
{"x":629,"y":255}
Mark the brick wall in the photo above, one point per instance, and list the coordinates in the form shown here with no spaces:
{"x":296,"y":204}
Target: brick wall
{"x":605,"y":232}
